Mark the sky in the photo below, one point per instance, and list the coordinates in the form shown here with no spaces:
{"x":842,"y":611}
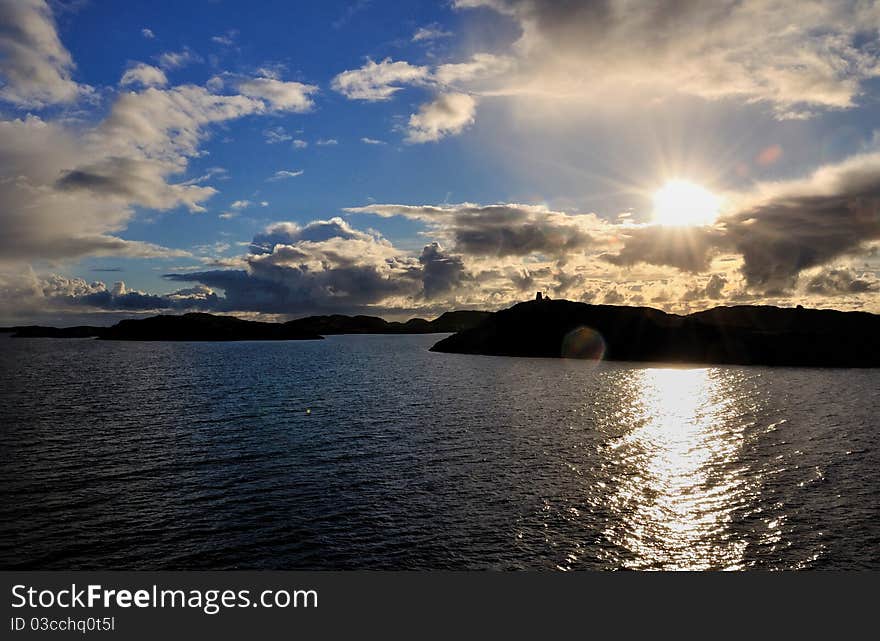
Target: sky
{"x":275,"y":159}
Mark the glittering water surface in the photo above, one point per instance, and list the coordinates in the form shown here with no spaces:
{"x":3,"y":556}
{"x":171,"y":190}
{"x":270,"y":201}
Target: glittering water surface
{"x":203,"y":455}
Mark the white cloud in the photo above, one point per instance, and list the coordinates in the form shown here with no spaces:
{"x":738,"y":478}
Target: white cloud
{"x":275,"y":135}
{"x":282,"y":96}
{"x":795,"y":56}
{"x":378,"y":81}
{"x":148,"y":33}
{"x":240,"y":204}
{"x":325,"y":142}
{"x":178,"y":59}
{"x":35,"y":67}
{"x":299,"y":144}
{"x":480,"y":66}
{"x":68,"y":189}
{"x":144,"y":75}
{"x":226,"y":39}
{"x":372,"y":141}
{"x":284,"y":174}
{"x":448,"y":114}
{"x":432,"y":32}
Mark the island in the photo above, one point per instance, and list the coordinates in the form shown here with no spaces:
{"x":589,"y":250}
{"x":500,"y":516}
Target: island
{"x":741,"y":335}
{"x":210,"y":327}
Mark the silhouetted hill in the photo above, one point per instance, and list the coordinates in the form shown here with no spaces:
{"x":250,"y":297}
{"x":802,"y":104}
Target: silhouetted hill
{"x":458,"y":321}
{"x":208,"y":327}
{"x":201,"y":327}
{"x":37,"y":331}
{"x":747,"y":335}
{"x":339,"y":324}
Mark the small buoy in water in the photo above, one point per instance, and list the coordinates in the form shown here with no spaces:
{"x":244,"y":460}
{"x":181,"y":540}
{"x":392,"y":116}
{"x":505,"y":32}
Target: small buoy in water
{"x":308,"y":411}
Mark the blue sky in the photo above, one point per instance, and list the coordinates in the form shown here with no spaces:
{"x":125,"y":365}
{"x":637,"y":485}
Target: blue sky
{"x":437,"y":155}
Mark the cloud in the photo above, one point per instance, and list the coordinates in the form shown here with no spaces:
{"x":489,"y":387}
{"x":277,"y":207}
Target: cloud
{"x":791,"y":226}
{"x":323,"y":266}
{"x":284,"y":174}
{"x":451,"y":111}
{"x":148,"y":33}
{"x":326,"y":142}
{"x":58,"y":293}
{"x":299,"y":144}
{"x":841,"y":282}
{"x":480,"y":66}
{"x":178,"y":59}
{"x":40,"y":191}
{"x":281,"y":95}
{"x":287,"y":233}
{"x":499,"y":230}
{"x":226,"y":39}
{"x":448,"y":114}
{"x":432,"y":32}
{"x":140,"y":181}
{"x":750,"y":50}
{"x":712,"y":289}
{"x":35,"y":67}
{"x":328,"y":266}
{"x":275,"y":135}
{"x":240,"y":204}
{"x":372,"y":141}
{"x":350,"y":12}
{"x":779,"y":229}
{"x":689,"y":249}
{"x":68,"y":189}
{"x":144,"y":75}
{"x":442,"y":273}
{"x":378,"y":81}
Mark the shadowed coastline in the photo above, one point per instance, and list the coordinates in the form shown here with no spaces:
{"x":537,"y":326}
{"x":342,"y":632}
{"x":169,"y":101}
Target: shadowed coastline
{"x":208,"y":327}
{"x":743,"y":335}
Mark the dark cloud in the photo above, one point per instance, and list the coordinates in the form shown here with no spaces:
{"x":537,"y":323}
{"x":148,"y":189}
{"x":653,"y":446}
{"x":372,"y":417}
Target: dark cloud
{"x":58,"y":292}
{"x":712,"y":289}
{"x":689,"y":249}
{"x":613,"y":297}
{"x":441,"y":272}
{"x":141,"y":181}
{"x":836,"y":282}
{"x":498,"y":230}
{"x":325,"y":266}
{"x":786,"y":229}
{"x":715,"y":286}
{"x":799,"y":229}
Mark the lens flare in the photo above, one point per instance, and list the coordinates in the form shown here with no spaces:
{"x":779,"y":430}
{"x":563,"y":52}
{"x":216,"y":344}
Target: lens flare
{"x":584,"y":343}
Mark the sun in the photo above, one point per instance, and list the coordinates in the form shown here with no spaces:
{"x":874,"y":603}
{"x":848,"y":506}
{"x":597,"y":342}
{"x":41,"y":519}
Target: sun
{"x":681,"y":203}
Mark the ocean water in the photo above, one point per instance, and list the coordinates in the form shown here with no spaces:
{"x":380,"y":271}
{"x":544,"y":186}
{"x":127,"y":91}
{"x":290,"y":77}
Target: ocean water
{"x":372,"y":452}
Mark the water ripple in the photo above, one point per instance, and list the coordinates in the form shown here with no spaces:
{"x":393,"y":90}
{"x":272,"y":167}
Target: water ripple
{"x":190,"y":455}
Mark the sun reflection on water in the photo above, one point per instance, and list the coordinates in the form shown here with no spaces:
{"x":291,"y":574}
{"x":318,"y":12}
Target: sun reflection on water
{"x":680,"y":476}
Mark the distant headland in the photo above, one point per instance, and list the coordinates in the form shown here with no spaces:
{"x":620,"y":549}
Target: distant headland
{"x":208,"y":327}
{"x":742,"y":335}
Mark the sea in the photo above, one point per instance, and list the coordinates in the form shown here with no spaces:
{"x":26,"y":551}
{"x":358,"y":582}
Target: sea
{"x":371,"y":452}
